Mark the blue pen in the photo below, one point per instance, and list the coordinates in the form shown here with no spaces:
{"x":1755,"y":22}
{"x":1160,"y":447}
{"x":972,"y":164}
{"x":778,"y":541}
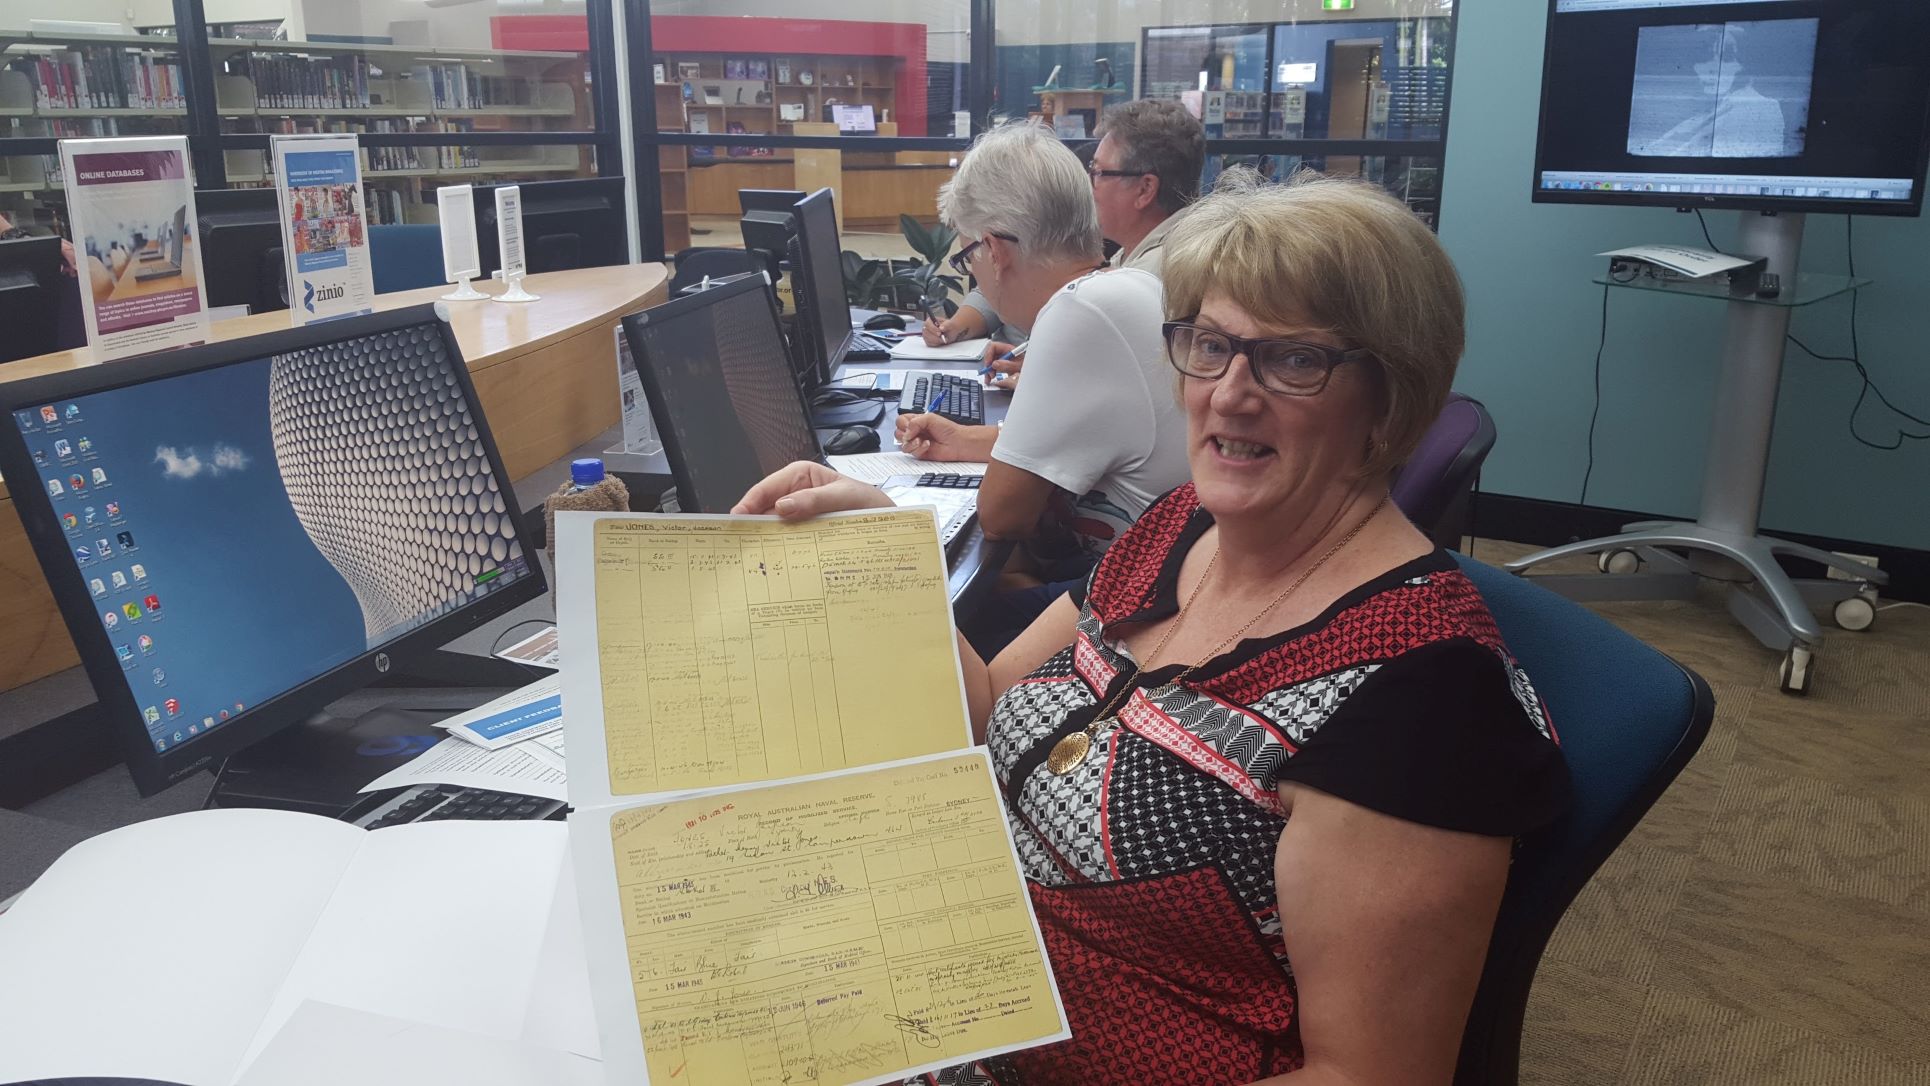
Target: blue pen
{"x":1016,"y":352}
{"x":936,"y":402}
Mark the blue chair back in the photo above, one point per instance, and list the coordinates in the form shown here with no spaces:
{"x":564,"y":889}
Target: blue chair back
{"x":405,"y":257}
{"x":1629,"y":718}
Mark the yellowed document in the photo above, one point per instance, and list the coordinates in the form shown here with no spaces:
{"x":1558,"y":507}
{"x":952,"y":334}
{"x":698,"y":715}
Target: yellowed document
{"x":850,"y":929}
{"x":731,"y":650}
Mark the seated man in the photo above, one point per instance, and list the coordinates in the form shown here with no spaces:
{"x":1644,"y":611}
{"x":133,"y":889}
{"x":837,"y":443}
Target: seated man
{"x":1145,"y":170}
{"x":1094,"y":437}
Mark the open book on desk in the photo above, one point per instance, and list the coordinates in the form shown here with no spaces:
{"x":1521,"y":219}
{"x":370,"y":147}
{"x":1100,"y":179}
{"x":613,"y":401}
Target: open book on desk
{"x":789,"y":870}
{"x":176,"y":949}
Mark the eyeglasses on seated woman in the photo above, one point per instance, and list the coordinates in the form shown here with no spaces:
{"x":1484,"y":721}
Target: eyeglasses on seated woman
{"x":1265,"y":769}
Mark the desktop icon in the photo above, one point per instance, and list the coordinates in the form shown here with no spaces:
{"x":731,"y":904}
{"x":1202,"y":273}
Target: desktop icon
{"x":139,"y":571}
{"x":119,"y":579}
{"x":83,"y":555}
{"x":113,"y":510}
{"x":206,"y":723}
{"x":160,"y":744}
{"x":110,"y":619}
{"x":49,"y":416}
{"x":146,"y":643}
{"x":69,"y":521}
{"x":100,"y":476}
{"x":160,"y":677}
{"x":152,"y":603}
{"x":151,"y":715}
{"x":132,"y":611}
{"x":239,"y":707}
{"x":126,"y":540}
{"x":93,"y":515}
{"x":173,"y":706}
{"x":125,"y":655}
{"x":76,"y":483}
{"x":53,"y":488}
{"x":101,"y":548}
{"x":63,"y":449}
{"x":24,"y":419}
{"x":224,"y":714}
{"x":83,"y":445}
{"x":73,"y":412}
{"x":194,"y":729}
{"x":40,"y":458}
{"x":98,"y":587}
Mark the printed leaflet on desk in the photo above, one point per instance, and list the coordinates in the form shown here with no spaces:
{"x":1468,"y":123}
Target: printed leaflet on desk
{"x":130,"y":205}
{"x":324,"y":227}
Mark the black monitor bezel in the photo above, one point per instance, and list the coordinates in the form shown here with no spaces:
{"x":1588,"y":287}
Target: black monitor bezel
{"x":535,"y":195}
{"x":153,"y":771}
{"x":782,"y":200}
{"x":633,"y":326}
{"x":246,"y":210}
{"x":40,"y":257}
{"x":826,"y":356}
{"x":1911,"y":208}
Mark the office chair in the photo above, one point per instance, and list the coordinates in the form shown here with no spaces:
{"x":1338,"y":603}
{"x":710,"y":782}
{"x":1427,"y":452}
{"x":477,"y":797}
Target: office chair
{"x":1435,"y":487}
{"x":1629,"y":718}
{"x":405,"y":257}
{"x":694,"y":264}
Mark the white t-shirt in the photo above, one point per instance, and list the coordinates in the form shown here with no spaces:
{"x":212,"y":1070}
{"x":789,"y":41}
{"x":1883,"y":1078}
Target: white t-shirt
{"x":1096,"y":413}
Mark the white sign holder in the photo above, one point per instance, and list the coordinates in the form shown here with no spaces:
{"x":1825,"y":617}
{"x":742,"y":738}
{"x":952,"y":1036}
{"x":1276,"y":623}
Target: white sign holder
{"x":509,"y":242}
{"x":461,"y":257}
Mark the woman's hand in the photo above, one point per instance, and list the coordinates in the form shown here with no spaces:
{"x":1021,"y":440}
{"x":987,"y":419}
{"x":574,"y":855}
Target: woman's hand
{"x":967,"y":323}
{"x":1005,"y":371}
{"x":934,"y":437}
{"x":803,"y":489}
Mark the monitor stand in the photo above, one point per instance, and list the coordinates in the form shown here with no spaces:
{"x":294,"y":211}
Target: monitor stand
{"x":319,"y":765}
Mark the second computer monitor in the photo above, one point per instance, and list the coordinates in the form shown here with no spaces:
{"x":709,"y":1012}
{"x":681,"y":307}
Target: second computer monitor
{"x":578,"y":223}
{"x":778,"y":200}
{"x":29,"y":304}
{"x":241,"y":248}
{"x":720,"y":389}
{"x":817,"y":281}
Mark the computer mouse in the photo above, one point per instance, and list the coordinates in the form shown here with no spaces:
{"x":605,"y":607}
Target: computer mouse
{"x":881,"y":321}
{"x":836,"y":397}
{"x":852,"y":439}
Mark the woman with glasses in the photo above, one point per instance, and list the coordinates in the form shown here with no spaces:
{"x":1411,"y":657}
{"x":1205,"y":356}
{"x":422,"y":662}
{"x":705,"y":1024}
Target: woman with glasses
{"x":1094,"y":435}
{"x":1265,"y":770}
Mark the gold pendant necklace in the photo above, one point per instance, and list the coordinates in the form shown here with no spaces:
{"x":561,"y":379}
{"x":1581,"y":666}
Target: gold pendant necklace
{"x":1071,"y":750}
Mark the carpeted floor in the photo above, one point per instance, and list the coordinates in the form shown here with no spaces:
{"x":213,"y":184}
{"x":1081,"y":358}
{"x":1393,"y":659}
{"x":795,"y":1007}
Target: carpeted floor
{"x":1769,"y":922}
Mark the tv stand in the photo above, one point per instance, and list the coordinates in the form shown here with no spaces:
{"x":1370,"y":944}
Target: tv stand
{"x":1723,"y":542}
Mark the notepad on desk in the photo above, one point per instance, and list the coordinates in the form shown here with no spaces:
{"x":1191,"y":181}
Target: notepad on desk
{"x":876,"y":468}
{"x":915,"y":349}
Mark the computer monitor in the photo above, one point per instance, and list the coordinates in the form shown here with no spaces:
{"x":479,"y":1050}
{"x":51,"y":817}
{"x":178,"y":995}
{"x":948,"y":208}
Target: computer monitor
{"x":578,"y":223}
{"x":780,"y":201}
{"x":241,"y":248}
{"x":770,"y":235}
{"x":30,"y":280}
{"x":854,"y":119}
{"x":719,"y":384}
{"x":817,"y":282}
{"x":241,"y":533}
{"x":1778,"y":105}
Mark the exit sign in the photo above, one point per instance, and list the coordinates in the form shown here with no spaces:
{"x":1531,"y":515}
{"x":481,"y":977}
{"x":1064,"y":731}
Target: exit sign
{"x":1336,"y":5}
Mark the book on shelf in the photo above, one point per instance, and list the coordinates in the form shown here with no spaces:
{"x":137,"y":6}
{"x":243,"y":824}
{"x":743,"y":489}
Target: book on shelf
{"x":292,"y":82}
{"x":102,"y":77}
{"x":458,"y":86}
{"x":736,"y":128}
{"x":455,"y":158}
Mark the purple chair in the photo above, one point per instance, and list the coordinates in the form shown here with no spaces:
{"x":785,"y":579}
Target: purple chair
{"x":1435,"y":487}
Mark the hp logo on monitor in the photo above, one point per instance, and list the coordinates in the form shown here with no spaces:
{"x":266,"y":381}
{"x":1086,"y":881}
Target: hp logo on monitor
{"x":382,"y":663}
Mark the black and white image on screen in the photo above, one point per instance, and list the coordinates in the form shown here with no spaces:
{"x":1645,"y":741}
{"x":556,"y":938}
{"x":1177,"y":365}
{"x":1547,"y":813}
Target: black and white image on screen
{"x":1723,"y":90}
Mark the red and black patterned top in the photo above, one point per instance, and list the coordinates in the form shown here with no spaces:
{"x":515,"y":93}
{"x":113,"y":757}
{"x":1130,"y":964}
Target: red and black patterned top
{"x":1151,"y":864}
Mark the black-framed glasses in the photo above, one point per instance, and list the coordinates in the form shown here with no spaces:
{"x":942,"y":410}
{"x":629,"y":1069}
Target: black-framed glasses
{"x":962,"y":259}
{"x":1286,"y":366}
{"x":1098,"y":173}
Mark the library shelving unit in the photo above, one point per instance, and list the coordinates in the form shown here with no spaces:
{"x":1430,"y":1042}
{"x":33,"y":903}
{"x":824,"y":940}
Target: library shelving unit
{"x":296,"y":87}
{"x":673,"y":168}
{"x":75,"y":85}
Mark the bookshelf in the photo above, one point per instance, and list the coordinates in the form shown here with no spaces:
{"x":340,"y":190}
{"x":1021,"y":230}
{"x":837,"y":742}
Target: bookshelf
{"x":673,"y":169}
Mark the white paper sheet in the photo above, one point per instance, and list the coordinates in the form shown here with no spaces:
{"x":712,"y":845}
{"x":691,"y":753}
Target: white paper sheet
{"x":537,"y":651}
{"x":167,"y":938}
{"x":327,"y":1045}
{"x":548,"y":748}
{"x":440,"y":923}
{"x":875,"y":468}
{"x":914,"y":348}
{"x":459,"y":763}
{"x":561,"y":1012}
{"x":517,"y":716}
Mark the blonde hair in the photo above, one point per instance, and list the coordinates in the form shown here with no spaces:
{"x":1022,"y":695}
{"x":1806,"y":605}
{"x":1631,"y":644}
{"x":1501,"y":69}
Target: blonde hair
{"x":1018,"y":179}
{"x":1337,"y":256}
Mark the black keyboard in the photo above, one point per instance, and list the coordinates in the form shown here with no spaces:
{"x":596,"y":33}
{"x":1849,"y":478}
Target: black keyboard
{"x":863,"y":348}
{"x":950,"y":482}
{"x":433,"y":803}
{"x":964,"y":397}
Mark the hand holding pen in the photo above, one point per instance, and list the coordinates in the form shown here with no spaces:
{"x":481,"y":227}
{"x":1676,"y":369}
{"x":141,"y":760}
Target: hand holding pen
{"x":1002,"y":365}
